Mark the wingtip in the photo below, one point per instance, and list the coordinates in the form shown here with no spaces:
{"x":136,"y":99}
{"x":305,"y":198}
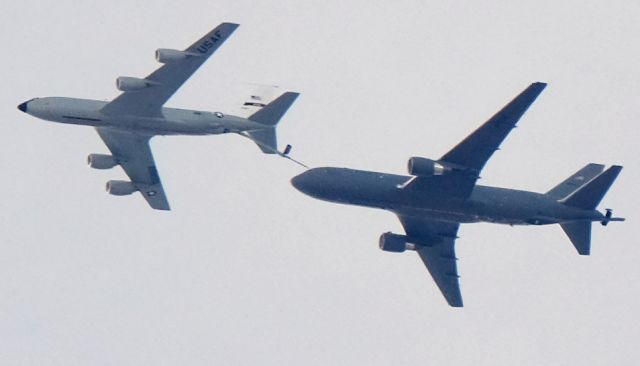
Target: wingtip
{"x":456,"y":304}
{"x":614,"y":169}
{"x":161,"y":207}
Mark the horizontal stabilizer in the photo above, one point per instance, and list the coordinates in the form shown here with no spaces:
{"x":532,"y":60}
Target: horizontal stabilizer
{"x":580,"y":234}
{"x":271,"y":114}
{"x":265,"y":139}
{"x":589,"y":196}
{"x":574,"y":182}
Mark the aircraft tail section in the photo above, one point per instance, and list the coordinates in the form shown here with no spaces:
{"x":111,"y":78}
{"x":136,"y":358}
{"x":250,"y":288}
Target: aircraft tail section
{"x":579,"y":232}
{"x":588,"y":196}
{"x":593,"y":186}
{"x":576,"y":181}
{"x":265,"y":139}
{"x":271,"y":113}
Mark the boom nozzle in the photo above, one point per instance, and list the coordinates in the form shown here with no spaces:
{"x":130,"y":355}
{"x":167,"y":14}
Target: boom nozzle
{"x":608,"y":217}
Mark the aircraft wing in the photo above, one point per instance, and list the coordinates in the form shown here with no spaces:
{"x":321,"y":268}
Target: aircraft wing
{"x":133,"y":153}
{"x":470,"y":155}
{"x":168,"y":78}
{"x":475,"y":150}
{"x":435,"y":242}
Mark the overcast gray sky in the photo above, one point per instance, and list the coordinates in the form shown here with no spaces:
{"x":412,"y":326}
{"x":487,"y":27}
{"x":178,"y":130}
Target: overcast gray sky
{"x":246,"y":270}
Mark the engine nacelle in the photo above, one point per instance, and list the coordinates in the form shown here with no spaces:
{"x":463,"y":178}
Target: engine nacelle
{"x":165,"y":55}
{"x":101,"y":161}
{"x":390,"y":242}
{"x":128,"y":83}
{"x":120,"y":187}
{"x":423,"y":167}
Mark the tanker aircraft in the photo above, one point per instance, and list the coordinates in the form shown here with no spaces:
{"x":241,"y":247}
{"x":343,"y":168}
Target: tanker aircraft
{"x":442,"y":194}
{"x":127,"y":123}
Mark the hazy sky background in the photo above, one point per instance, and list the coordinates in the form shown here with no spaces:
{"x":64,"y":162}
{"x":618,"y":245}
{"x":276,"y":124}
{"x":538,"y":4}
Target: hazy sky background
{"x":245,"y":269}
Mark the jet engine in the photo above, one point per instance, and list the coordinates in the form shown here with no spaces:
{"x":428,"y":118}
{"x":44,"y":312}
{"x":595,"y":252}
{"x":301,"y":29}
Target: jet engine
{"x":127,"y":83}
{"x":423,"y":167}
{"x":165,"y":55}
{"x":390,"y":242}
{"x":120,"y":187}
{"x":101,"y":161}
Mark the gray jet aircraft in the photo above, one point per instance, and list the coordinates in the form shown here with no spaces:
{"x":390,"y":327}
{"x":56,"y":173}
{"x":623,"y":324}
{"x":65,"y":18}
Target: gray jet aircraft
{"x":127,"y":123}
{"x":442,"y":194}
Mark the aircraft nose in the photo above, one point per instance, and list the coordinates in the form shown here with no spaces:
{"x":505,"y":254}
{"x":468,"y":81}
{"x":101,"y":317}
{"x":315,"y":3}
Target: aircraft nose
{"x":23,"y":107}
{"x":299,"y":182}
{"x":311,"y":182}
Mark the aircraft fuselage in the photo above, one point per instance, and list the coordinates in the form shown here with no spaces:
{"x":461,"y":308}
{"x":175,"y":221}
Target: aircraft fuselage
{"x":173,"y":121}
{"x":486,"y":204}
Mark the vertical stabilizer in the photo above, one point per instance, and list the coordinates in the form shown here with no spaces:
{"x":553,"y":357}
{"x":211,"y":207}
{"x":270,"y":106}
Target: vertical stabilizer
{"x":590,"y":195}
{"x":580,"y":234}
{"x":574,"y":182}
{"x":271,"y":113}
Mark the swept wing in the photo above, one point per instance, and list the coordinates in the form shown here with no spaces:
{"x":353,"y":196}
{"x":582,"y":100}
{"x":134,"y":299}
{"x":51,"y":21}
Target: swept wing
{"x":435,"y":242}
{"x":472,"y":153}
{"x":132,"y":150}
{"x":134,"y":155}
{"x":168,"y":78}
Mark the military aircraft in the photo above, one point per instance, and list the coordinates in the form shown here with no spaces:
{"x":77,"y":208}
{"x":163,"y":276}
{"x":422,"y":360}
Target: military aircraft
{"x":442,"y":194}
{"x":127,"y":123}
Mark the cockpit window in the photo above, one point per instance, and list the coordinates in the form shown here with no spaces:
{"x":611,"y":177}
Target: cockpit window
{"x":219,"y":114}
